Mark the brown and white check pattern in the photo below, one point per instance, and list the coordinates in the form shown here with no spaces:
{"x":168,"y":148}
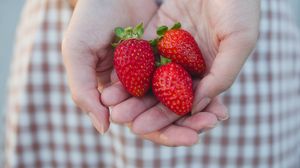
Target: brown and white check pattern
{"x":45,"y":129}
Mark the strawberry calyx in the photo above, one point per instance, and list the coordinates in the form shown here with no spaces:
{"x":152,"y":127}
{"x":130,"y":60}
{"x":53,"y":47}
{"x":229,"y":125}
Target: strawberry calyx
{"x":128,"y":33}
{"x":177,"y":25}
{"x":163,"y":61}
{"x":161,"y":32}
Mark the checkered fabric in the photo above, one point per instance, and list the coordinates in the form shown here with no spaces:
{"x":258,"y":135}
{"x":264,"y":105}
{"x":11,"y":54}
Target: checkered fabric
{"x":45,"y":129}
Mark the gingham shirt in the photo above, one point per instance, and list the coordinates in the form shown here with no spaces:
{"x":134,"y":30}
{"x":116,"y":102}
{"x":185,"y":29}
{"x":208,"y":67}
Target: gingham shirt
{"x":45,"y":129}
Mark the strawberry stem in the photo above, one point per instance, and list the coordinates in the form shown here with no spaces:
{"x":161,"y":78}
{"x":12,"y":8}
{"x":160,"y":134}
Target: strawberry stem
{"x":163,"y":61}
{"x":154,"y":42}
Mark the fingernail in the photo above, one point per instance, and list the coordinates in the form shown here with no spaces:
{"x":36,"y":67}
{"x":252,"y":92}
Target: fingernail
{"x":129,"y":125}
{"x":226,"y":117}
{"x":100,"y":89}
{"x":196,"y":142}
{"x":110,"y":108}
{"x":100,"y":128}
{"x":201,"y":105}
{"x":163,"y":137}
{"x":109,"y":111}
{"x":213,"y":125}
{"x":207,"y":128}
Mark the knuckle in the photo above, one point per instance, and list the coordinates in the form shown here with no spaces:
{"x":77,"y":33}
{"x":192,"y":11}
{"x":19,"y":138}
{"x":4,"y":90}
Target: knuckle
{"x":219,"y":82}
{"x":164,"y":112}
{"x":64,"y":46}
{"x":77,"y":98}
{"x":71,"y":46}
{"x":224,"y":85}
{"x":250,"y":39}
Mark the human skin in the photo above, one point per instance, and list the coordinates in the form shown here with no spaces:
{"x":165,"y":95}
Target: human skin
{"x":226,"y":32}
{"x":87,"y":53}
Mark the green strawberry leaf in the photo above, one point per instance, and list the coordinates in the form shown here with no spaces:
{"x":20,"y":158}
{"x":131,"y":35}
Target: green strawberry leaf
{"x":128,"y":31}
{"x":162,"y":30}
{"x":120,"y":32}
{"x":176,"y":26}
{"x":139,"y":30}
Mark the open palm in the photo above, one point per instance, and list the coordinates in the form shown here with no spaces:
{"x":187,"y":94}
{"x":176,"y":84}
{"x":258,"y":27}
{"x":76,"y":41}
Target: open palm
{"x":226,"y":33}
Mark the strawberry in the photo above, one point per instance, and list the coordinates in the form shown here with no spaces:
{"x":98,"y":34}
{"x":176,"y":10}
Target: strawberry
{"x":134,"y":60}
{"x":172,"y":85}
{"x":180,"y":46}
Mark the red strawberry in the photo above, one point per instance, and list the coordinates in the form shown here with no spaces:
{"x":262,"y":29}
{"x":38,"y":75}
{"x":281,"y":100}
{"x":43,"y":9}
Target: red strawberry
{"x":180,"y":46}
{"x":172,"y":85}
{"x":134,"y":60}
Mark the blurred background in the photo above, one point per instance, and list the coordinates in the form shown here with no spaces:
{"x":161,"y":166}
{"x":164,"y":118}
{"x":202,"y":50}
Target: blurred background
{"x":9,"y":16}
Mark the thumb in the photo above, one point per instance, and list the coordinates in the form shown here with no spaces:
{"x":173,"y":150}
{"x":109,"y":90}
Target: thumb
{"x":81,"y":72}
{"x":233,"y":52}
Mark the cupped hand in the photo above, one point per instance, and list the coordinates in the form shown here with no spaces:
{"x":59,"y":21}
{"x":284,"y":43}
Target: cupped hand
{"x":226,"y":33}
{"x":87,"y":51}
{"x":151,"y":120}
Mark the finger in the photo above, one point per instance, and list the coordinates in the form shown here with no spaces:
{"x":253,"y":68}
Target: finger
{"x":113,"y":79}
{"x":155,"y":118}
{"x":199,"y":122}
{"x":150,"y":29}
{"x":195,"y":83}
{"x":218,"y":108}
{"x":157,"y":20}
{"x":233,"y":51}
{"x":103,"y":80}
{"x":173,"y":135}
{"x":81,"y":74}
{"x":129,"y":109}
{"x":114,"y":94}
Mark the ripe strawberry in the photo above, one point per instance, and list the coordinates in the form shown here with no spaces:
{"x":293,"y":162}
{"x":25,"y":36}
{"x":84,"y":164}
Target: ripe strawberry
{"x":134,"y":60}
{"x":180,"y":46}
{"x":172,"y":85}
